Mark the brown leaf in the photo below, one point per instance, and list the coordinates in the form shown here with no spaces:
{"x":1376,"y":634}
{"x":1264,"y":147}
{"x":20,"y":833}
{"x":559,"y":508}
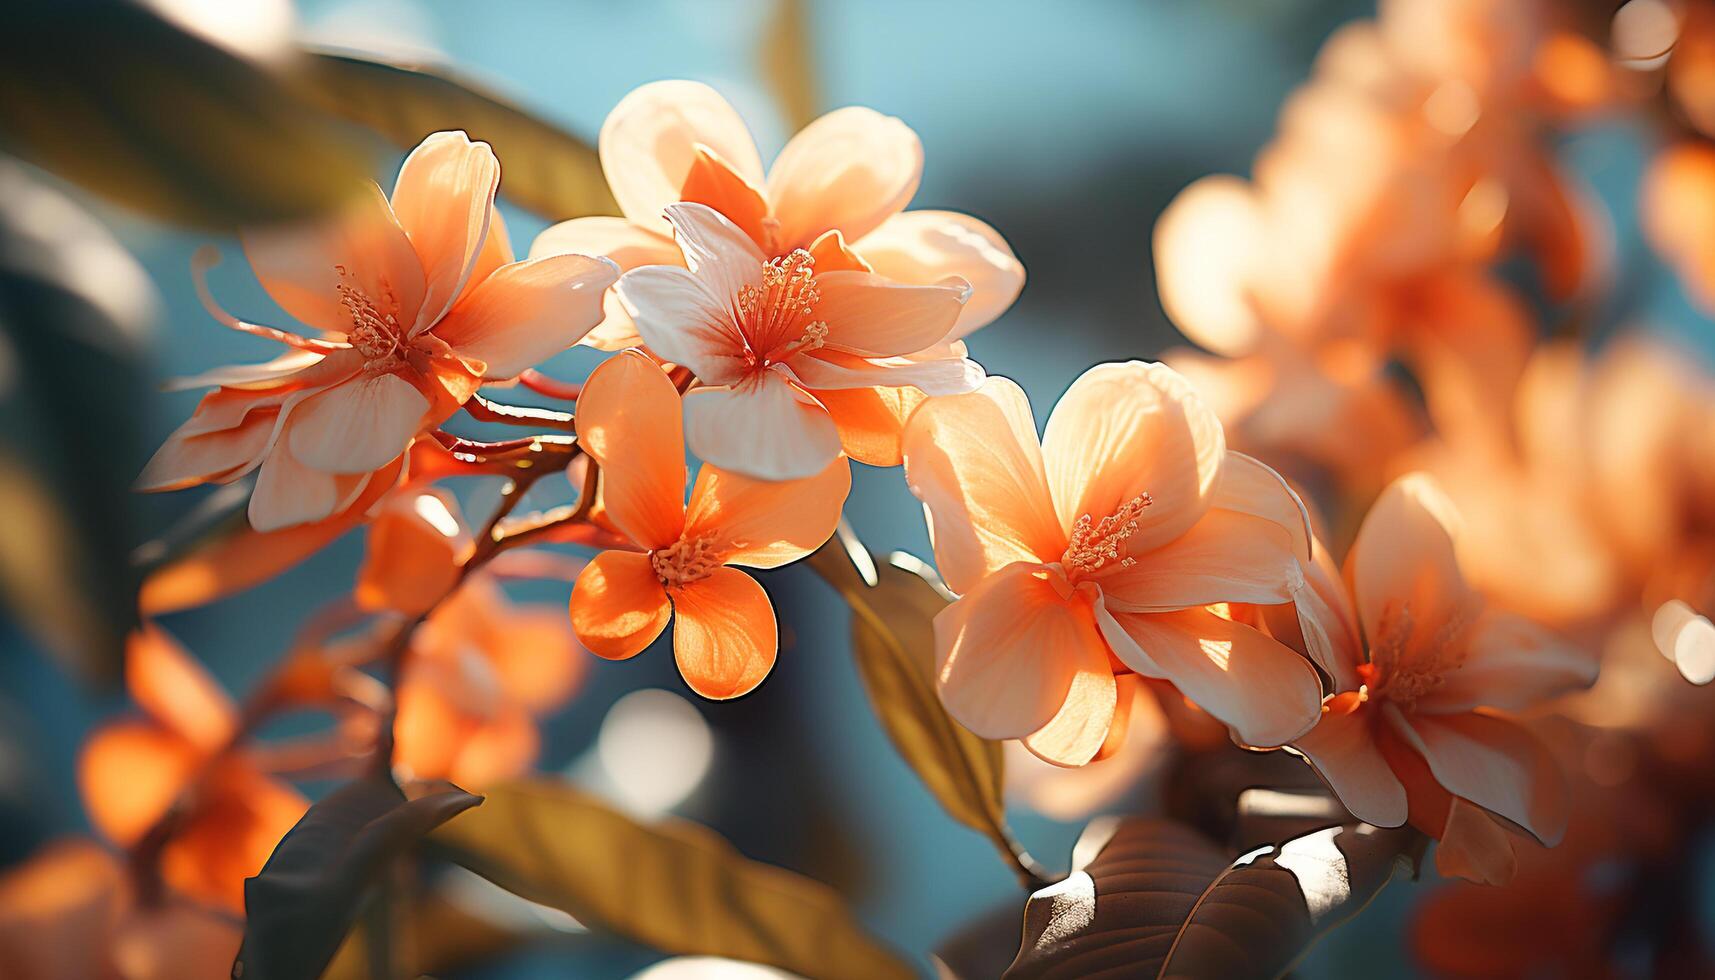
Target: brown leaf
{"x":114,"y":97}
{"x":1151,"y":897}
{"x":442,"y":937}
{"x":673,"y":885}
{"x":893,"y":638}
{"x":543,"y":167}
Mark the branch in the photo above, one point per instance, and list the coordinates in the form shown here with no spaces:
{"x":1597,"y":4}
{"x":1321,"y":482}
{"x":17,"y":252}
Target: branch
{"x":483,"y":410}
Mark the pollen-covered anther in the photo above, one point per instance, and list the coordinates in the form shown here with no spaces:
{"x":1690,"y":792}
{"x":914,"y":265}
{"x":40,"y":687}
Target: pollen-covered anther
{"x":375,"y":329}
{"x":787,"y":292}
{"x":1094,"y":544}
{"x":685,"y":560}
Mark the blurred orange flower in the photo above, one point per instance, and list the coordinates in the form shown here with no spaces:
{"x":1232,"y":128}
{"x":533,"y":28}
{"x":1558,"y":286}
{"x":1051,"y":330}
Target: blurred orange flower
{"x":69,"y":913}
{"x":1099,"y":545}
{"x":765,"y":335}
{"x":629,"y":421}
{"x":132,"y":772}
{"x":419,"y":303}
{"x":843,"y":182}
{"x":1416,"y":732}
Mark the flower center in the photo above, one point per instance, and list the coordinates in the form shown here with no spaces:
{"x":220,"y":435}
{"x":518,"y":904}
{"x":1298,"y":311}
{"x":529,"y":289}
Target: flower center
{"x":1403,"y":670}
{"x":685,"y":560}
{"x":1096,"y":544}
{"x":773,"y":310}
{"x":375,"y":329}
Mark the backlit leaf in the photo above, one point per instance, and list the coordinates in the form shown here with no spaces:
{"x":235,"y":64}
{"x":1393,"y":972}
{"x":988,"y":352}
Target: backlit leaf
{"x":1151,"y":897}
{"x":544,"y":168}
{"x":112,"y":96}
{"x":893,"y":638}
{"x":672,"y":885}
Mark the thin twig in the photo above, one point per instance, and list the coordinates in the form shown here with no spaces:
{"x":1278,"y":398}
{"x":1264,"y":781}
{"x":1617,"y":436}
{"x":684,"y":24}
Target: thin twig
{"x":541,"y":384}
{"x":483,"y":410}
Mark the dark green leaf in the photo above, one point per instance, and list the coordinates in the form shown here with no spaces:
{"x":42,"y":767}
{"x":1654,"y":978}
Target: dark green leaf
{"x":672,"y":885}
{"x":543,"y":167}
{"x":74,"y":312}
{"x":1156,"y":898}
{"x":893,"y":637}
{"x":111,"y":95}
{"x":299,"y":909}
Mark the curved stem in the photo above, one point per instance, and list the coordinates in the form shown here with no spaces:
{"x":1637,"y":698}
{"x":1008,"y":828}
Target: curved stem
{"x":483,"y":410}
{"x":541,"y":384}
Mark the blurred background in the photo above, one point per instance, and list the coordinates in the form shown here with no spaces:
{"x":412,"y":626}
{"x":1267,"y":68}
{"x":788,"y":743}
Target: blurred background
{"x":1068,"y":127}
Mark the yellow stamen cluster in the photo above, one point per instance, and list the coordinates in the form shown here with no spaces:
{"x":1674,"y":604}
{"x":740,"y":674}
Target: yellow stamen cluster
{"x":685,"y":560}
{"x":1096,"y":543}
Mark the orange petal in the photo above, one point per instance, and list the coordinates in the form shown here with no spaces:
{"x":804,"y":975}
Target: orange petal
{"x":1475,"y":847}
{"x":1226,"y":557}
{"x":538,"y":658}
{"x":1126,"y":429}
{"x":871,"y":420}
{"x":650,"y":141}
{"x":872,"y":315}
{"x":618,"y":605}
{"x":239,"y":819}
{"x":1009,"y":652}
{"x":176,"y":691}
{"x":288,"y":493}
{"x":301,"y":266}
{"x":629,"y":246}
{"x":503,"y":748}
{"x":443,"y":199}
{"x":712,"y":181}
{"x":683,"y":321}
{"x":830,"y":253}
{"x":764,"y":524}
{"x":129,"y":773}
{"x":1250,"y":486}
{"x":1511,"y":664}
{"x":528,"y":311}
{"x":852,"y":169}
{"x":1265,"y":692}
{"x":724,"y":634}
{"x":429,"y":730}
{"x":58,"y":909}
{"x":357,"y":426}
{"x":974,"y":462}
{"x":186,"y":460}
{"x":629,"y":422}
{"x":1404,"y":556}
{"x":1343,"y":749}
{"x":177,"y":941}
{"x":416,"y":546}
{"x":1323,"y":622}
{"x":1085,"y":722}
{"x":1207,"y":244}
{"x":1496,"y":764}
{"x":924,"y":247}
{"x":764,"y":427}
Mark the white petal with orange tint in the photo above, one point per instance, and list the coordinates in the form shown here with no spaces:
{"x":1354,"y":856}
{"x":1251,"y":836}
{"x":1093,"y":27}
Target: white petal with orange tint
{"x":443,"y":199}
{"x":762,"y":427}
{"x":1206,"y":244}
{"x":629,"y":422}
{"x":872,"y":315}
{"x":1125,"y":429}
{"x":1227,"y":557}
{"x":724,"y":634}
{"x":288,"y":492}
{"x":1266,"y":693}
{"x":764,"y":524}
{"x":974,"y":462}
{"x":1496,"y":764}
{"x":1475,"y":846}
{"x":1512,"y":664}
{"x":1252,"y":487}
{"x":528,"y":311}
{"x":683,"y":322}
{"x":357,"y":426}
{"x":1343,"y":749}
{"x":1404,"y":553}
{"x":825,"y":370}
{"x":1081,"y":727}
{"x":618,"y":605}
{"x":852,"y":169}
{"x":628,"y":245}
{"x":1008,"y":652}
{"x":715,"y":250}
{"x":928,"y":246}
{"x":650,"y":139}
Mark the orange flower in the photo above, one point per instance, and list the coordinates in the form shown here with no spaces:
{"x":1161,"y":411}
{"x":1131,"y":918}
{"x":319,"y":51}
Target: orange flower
{"x":68,"y":913}
{"x":479,"y":673}
{"x":767,"y":336}
{"x":843,"y":181}
{"x":1417,"y":732}
{"x":1103,"y":543}
{"x":419,"y":303}
{"x":725,"y":640}
{"x":417,"y":544}
{"x":132,"y":772}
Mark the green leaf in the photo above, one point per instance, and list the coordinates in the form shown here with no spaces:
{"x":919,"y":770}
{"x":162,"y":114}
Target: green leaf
{"x":299,"y":909}
{"x":117,"y":99}
{"x":74,"y":315}
{"x":893,"y":638}
{"x":671,"y":885}
{"x":543,"y":168}
{"x":1151,"y":897}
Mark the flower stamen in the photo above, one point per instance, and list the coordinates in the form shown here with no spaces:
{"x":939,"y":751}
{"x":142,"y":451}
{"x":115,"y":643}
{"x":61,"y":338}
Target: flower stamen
{"x":786,"y":294}
{"x":1095,"y":543}
{"x":685,"y":560}
{"x":375,"y":329}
